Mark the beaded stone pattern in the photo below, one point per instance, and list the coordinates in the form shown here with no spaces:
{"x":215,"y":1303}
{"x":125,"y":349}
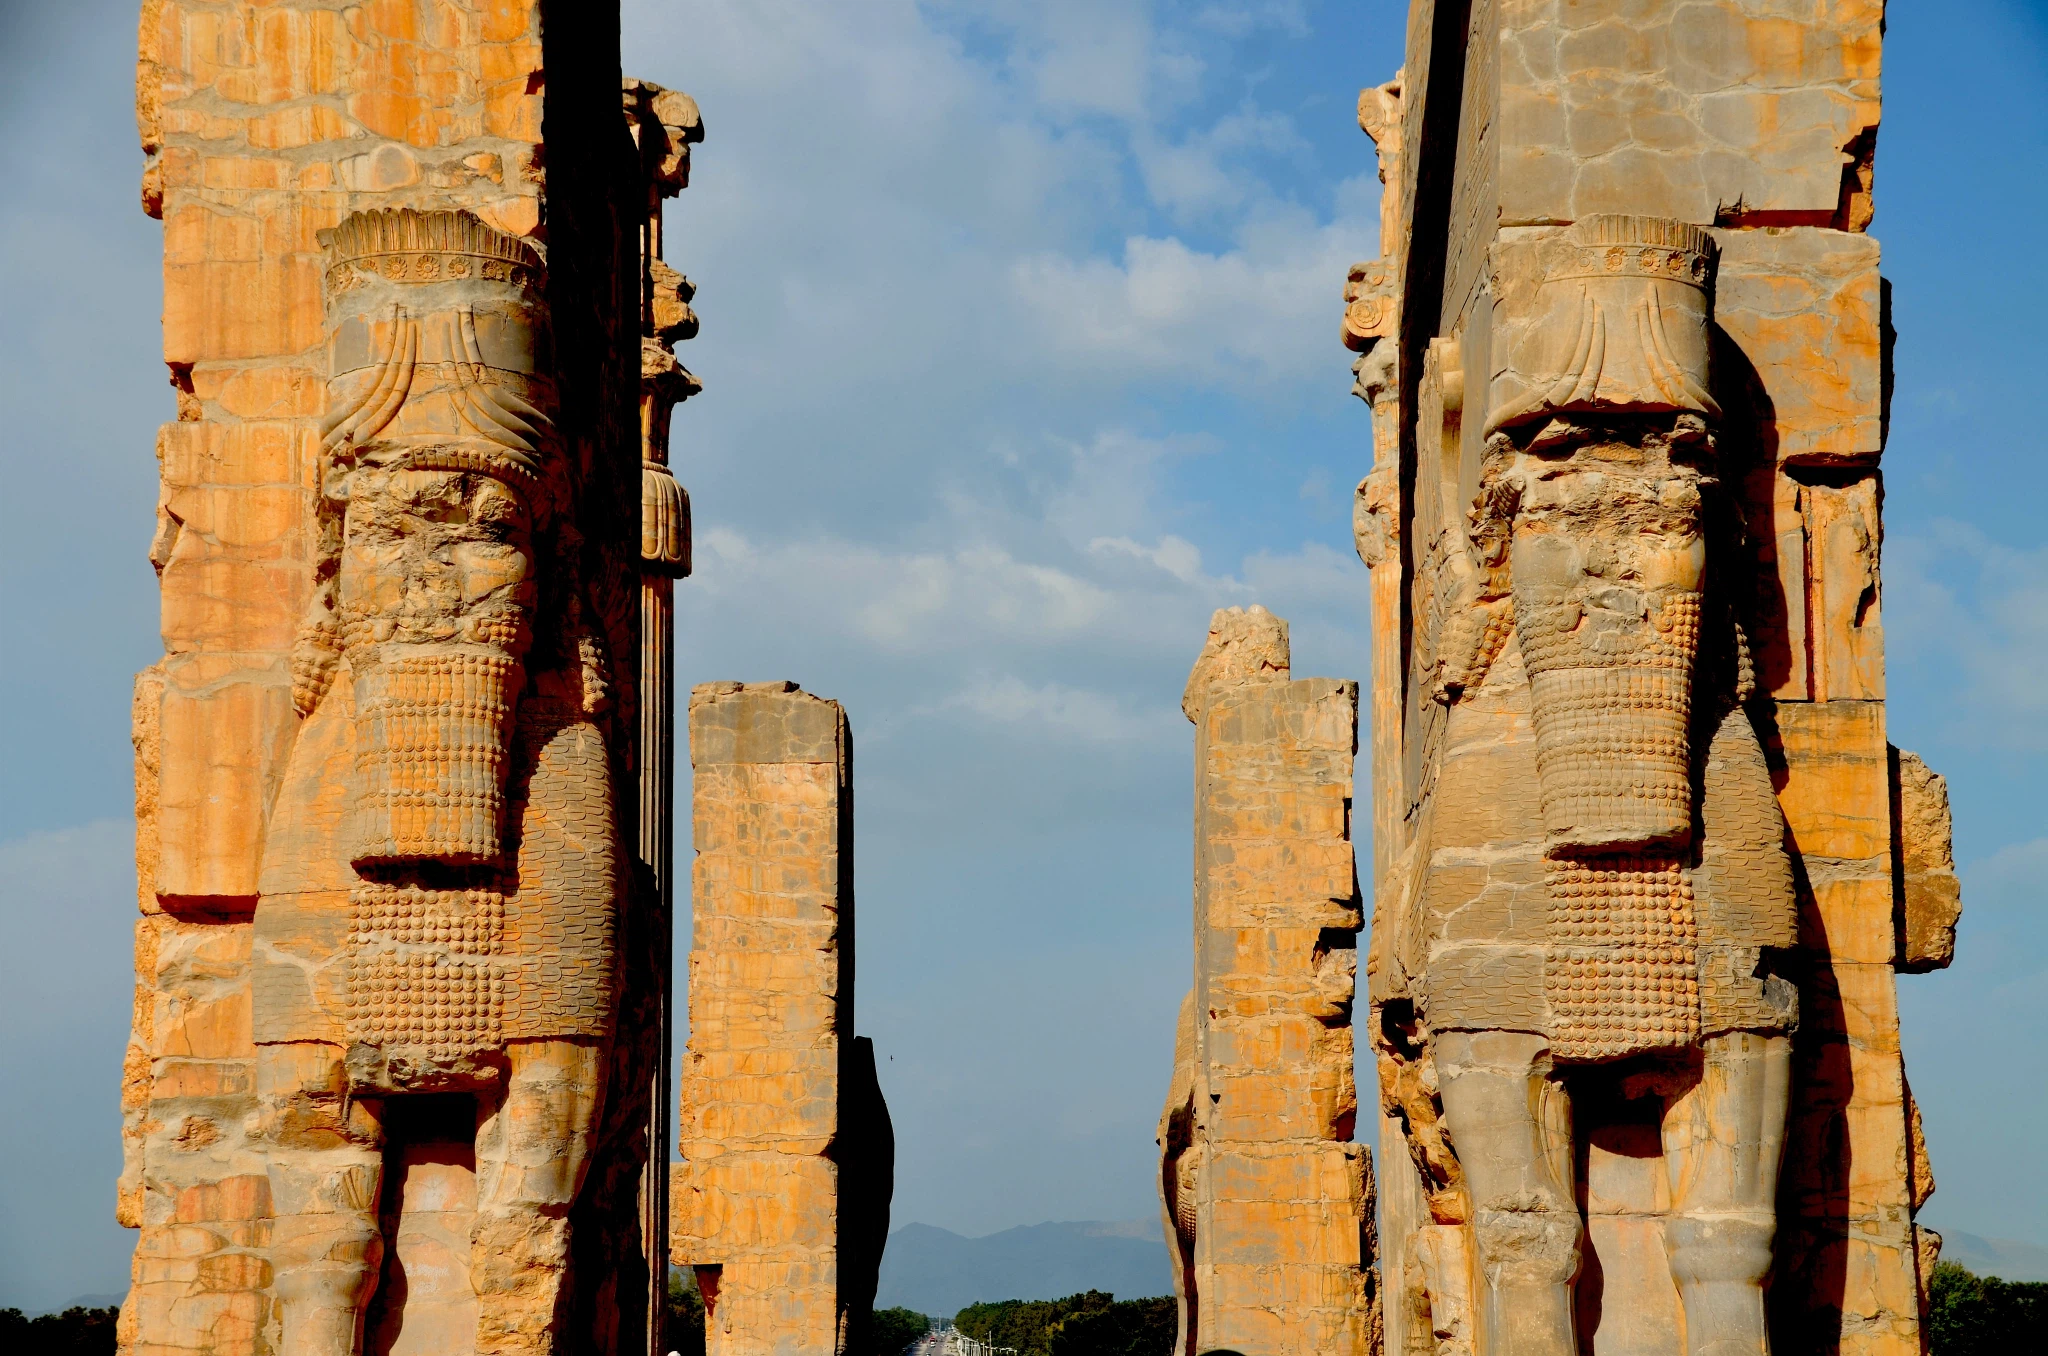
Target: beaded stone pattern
{"x":1622,"y":970}
{"x":422,"y":971}
{"x":1612,"y":720}
{"x":433,"y":736}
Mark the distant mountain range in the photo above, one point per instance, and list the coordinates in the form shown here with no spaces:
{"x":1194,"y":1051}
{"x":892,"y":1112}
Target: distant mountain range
{"x":2006,"y":1258}
{"x":938,"y":1272}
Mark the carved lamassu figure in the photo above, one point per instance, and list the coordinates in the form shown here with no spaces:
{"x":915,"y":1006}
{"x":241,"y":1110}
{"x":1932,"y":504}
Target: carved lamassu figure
{"x":442,"y":874}
{"x":1599,"y":896}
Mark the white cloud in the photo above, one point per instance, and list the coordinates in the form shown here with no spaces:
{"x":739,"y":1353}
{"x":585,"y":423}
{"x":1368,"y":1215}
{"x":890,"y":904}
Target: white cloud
{"x":1241,"y":20}
{"x":1213,"y":169}
{"x":1970,"y":616}
{"x":1178,"y":557}
{"x":917,"y":602}
{"x":1091,"y":717}
{"x":1254,"y":318}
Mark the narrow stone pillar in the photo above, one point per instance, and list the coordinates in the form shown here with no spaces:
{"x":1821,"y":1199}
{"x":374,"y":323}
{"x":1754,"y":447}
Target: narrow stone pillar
{"x":664,"y":124}
{"x":781,"y":1202}
{"x":1269,"y":1201}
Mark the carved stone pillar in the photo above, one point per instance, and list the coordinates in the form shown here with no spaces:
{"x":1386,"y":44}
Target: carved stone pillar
{"x":664,"y":124}
{"x":1635,"y":802}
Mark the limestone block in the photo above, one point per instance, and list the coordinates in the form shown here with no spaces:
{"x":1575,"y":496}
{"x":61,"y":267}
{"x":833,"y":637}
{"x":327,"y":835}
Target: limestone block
{"x":1773,"y":506}
{"x":1752,"y":112}
{"x":1930,"y":902}
{"x":1836,"y":790}
{"x":1852,"y":920}
{"x":1847,"y":1165}
{"x":240,"y":583}
{"x":1843,"y":537}
{"x":224,"y":744}
{"x":1802,"y":309}
{"x":206,"y":456}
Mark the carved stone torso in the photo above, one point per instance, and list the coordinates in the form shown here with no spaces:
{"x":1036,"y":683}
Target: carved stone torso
{"x":443,"y":869}
{"x":1600,"y":856}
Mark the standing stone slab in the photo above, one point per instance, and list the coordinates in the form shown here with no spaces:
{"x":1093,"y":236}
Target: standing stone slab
{"x":1268,"y":1201}
{"x":781,"y":1201}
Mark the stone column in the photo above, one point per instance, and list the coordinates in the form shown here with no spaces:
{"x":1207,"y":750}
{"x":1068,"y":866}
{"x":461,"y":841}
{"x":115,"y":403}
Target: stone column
{"x":1704,"y":302}
{"x":334,"y":1028}
{"x":664,"y":125}
{"x":781,"y":1203}
{"x":657,"y":850}
{"x":1269,"y":1201}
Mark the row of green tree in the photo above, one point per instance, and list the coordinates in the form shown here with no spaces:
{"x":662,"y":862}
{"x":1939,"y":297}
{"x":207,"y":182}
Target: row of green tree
{"x":75,"y":1332}
{"x":1968,"y":1315}
{"x":1093,"y":1323}
{"x":1971,"y":1315}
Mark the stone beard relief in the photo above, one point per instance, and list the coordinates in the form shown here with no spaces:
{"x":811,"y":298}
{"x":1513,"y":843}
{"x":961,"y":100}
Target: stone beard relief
{"x":399,"y":970}
{"x":1644,"y":863}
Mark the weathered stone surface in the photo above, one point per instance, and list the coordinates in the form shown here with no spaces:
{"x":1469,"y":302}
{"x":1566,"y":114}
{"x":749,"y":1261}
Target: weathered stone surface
{"x":1755,"y":111}
{"x":1930,"y":899}
{"x":1645,"y":863}
{"x":1267,"y":1201}
{"x":1803,"y":311}
{"x":781,"y":1201}
{"x":391,"y":1042}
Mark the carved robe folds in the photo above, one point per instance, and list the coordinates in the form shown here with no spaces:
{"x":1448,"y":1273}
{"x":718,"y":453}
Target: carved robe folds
{"x":1597,"y":891}
{"x":443,"y":870}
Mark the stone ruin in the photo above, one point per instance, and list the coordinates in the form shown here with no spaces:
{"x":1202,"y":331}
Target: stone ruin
{"x":1268,"y":1199}
{"x":399,"y":1064}
{"x":1644,"y":863}
{"x":782,"y":1198}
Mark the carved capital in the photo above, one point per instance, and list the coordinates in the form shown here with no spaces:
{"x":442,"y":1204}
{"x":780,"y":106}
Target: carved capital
{"x":1609,"y":316}
{"x":664,"y":384}
{"x":1371,"y":304}
{"x":664,"y":522}
{"x":1245,"y":645}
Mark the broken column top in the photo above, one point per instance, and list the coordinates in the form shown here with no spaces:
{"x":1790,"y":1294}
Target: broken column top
{"x":774,"y":722}
{"x":1246,"y":645}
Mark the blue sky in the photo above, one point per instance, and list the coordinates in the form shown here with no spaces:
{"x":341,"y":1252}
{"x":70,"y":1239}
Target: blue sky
{"x":1019,"y":356}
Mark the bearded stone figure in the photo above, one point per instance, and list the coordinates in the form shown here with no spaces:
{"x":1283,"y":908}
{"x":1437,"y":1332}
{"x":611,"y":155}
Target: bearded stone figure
{"x":434,"y":939}
{"x":1599,"y":895}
